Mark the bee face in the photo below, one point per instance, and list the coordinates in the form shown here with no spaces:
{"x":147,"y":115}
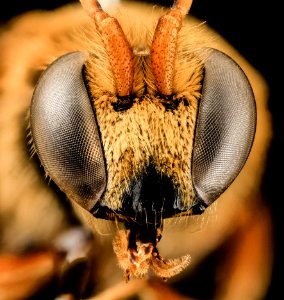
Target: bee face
{"x":139,"y":136}
{"x":149,"y":157}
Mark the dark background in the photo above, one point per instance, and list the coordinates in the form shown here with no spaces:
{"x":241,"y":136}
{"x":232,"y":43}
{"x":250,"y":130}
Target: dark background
{"x":253,"y":28}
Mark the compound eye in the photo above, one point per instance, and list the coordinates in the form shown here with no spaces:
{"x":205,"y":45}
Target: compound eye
{"x":225,"y":127}
{"x":65,"y":131}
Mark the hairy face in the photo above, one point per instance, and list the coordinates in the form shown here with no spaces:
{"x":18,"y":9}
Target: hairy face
{"x":148,"y":145}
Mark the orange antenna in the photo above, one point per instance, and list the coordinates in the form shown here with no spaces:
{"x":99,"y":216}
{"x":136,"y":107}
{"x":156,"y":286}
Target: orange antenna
{"x":163,"y":51}
{"x":116,"y":44}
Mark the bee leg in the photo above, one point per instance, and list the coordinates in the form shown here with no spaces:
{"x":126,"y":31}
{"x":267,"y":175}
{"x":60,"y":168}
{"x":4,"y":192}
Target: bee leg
{"x":75,"y":278}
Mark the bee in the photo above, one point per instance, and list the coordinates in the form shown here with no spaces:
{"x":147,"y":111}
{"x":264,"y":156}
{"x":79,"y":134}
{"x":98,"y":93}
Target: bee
{"x":141,"y":129}
{"x":125,"y":142}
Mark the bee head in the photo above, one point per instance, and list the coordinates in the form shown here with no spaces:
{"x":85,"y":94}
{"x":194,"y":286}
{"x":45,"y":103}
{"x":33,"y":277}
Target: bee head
{"x":142,"y":149}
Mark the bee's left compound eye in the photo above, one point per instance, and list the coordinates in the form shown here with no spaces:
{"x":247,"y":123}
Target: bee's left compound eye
{"x":65,"y":133}
{"x":225,"y":127}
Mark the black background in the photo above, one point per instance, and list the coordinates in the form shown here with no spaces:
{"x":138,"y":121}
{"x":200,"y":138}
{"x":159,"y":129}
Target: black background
{"x":254,"y":29}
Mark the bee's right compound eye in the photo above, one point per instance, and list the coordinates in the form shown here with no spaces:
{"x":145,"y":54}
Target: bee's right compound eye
{"x":225,"y":127}
{"x":65,"y":132}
